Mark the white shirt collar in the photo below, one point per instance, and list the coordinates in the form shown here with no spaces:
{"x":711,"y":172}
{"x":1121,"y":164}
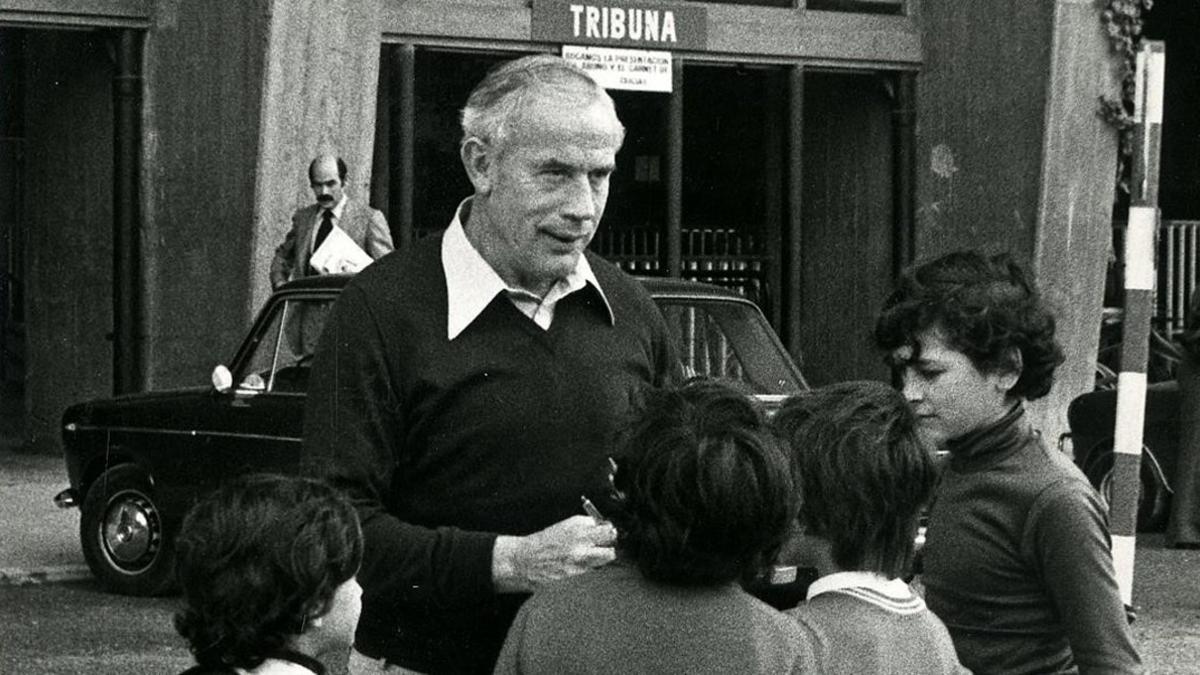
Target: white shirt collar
{"x":895,"y":589}
{"x":472,"y":283}
{"x":273,"y":666}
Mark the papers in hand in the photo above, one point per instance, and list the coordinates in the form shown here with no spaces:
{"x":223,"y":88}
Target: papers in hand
{"x":339,"y":254}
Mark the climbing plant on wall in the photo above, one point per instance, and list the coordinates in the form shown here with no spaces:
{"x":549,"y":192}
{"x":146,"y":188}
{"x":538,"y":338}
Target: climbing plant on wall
{"x":1123,"y":21}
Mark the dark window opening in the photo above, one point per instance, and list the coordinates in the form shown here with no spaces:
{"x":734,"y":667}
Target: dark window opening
{"x":859,"y":6}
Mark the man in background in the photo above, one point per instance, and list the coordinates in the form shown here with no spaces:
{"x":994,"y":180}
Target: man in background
{"x":313,"y":224}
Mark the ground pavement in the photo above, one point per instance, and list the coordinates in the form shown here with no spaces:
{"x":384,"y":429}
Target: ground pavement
{"x":39,"y":543}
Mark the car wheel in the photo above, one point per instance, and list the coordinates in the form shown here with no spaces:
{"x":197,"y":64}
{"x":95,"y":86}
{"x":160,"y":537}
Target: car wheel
{"x":122,"y":534}
{"x":1153,"y":502}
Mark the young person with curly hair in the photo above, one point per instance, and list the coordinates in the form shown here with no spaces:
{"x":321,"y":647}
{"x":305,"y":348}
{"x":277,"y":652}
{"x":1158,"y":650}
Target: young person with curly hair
{"x":1017,"y":560}
{"x":705,"y":500}
{"x":865,"y":476}
{"x":267,"y":565}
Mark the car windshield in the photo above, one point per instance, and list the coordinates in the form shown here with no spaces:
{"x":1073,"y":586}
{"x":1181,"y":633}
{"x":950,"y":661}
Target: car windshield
{"x":730,"y":341}
{"x":719,"y":338}
{"x":281,"y":356}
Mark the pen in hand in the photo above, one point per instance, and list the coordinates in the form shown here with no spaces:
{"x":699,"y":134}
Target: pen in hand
{"x":592,"y":511}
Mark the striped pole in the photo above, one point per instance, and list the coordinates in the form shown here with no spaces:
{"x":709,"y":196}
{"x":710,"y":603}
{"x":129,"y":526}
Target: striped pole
{"x":1139,"y":307}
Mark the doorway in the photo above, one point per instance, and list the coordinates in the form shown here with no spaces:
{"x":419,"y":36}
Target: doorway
{"x":56,"y":182}
{"x":783,"y":188}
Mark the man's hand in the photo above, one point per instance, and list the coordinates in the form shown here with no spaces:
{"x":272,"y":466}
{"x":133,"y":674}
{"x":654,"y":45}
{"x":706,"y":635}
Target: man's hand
{"x":567,"y":548}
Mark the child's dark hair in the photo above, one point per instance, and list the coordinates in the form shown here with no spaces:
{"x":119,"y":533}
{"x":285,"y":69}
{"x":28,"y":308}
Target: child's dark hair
{"x":986,"y":307}
{"x":256,"y":560}
{"x":707,"y":491}
{"x":863,"y":471}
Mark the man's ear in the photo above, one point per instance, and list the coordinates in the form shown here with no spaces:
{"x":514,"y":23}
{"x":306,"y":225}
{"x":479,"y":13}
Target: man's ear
{"x":477,"y":160}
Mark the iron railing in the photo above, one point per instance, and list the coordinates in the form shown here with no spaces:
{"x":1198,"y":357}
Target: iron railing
{"x":1178,"y":263}
{"x":1178,"y":258}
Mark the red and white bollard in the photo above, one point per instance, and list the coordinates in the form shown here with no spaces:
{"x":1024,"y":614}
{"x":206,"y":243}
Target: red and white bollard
{"x":1140,"y":246}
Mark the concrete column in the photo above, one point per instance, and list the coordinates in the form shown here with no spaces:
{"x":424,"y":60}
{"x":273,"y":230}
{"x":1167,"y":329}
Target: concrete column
{"x":1012,"y":156}
{"x":319,"y":92}
{"x":241,"y":95}
{"x":1074,"y":223}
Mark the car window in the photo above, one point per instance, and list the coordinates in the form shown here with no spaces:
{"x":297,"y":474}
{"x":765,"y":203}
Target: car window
{"x":730,"y":341}
{"x":280,"y":358}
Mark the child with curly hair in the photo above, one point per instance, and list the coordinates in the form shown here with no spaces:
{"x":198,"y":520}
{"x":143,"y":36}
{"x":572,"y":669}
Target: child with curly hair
{"x":1017,"y":559}
{"x":865,"y":477}
{"x":705,"y":500}
{"x":267,"y":565}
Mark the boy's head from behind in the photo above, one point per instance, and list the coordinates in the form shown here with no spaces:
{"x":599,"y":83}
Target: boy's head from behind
{"x":268,"y":562}
{"x":708,"y":494}
{"x":862,"y":470}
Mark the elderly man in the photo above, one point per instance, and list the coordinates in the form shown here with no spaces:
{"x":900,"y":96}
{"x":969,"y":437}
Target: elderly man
{"x":466,"y":393}
{"x":312,"y":225}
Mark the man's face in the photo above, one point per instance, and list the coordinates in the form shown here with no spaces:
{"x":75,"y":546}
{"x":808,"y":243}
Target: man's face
{"x":950,"y":396}
{"x":542,"y":192}
{"x":327,"y":187}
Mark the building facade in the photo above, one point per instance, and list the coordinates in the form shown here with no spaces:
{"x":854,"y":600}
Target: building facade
{"x":802,"y":152}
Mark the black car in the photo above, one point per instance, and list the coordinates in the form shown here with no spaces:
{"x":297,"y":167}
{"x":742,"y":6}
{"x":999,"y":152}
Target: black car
{"x":1092,"y":419}
{"x":137,"y":462}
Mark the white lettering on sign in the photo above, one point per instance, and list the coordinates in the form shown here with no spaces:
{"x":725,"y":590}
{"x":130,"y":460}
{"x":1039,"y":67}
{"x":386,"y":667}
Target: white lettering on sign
{"x":634,"y":69}
{"x":615,"y":23}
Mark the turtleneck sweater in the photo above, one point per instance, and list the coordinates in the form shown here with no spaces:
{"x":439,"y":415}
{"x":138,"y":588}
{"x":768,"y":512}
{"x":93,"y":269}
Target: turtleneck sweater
{"x":1018,"y":560}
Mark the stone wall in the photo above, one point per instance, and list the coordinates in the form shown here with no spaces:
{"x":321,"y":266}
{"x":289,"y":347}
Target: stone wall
{"x":1012,"y":156}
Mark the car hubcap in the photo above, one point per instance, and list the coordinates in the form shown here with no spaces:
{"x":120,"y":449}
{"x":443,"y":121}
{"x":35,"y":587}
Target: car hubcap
{"x":130,"y":532}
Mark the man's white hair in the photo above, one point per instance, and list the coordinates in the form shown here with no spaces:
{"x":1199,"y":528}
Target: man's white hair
{"x":506,"y":88}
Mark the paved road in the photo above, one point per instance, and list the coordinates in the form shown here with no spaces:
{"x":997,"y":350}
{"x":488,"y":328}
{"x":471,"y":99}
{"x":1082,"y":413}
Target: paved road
{"x":1166,"y":590}
{"x":75,"y":629}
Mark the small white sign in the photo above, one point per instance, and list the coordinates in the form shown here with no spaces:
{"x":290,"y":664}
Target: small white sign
{"x":633,"y":69}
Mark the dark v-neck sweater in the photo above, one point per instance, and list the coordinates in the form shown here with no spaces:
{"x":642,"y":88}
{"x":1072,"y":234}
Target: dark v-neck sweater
{"x":445,"y":443}
{"x":1017,"y":559}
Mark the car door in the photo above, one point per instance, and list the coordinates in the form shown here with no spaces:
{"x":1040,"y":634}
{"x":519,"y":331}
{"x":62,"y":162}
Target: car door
{"x":257,"y":424}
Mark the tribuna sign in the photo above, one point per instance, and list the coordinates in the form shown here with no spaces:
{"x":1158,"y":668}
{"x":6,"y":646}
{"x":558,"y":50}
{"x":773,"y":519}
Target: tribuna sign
{"x":604,"y":23}
{"x":646,"y":25}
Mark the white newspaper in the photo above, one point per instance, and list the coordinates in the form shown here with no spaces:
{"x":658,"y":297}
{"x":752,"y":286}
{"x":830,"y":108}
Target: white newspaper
{"x":338,"y":254}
